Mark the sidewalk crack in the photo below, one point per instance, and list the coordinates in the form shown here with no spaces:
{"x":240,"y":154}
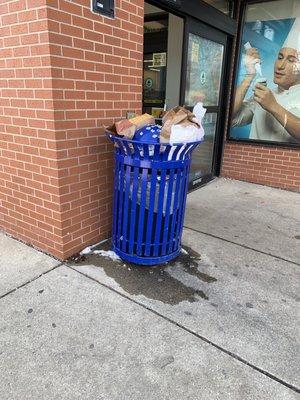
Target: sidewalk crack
{"x":242,"y":245}
{"x":195,"y":334}
{"x":31,"y":280}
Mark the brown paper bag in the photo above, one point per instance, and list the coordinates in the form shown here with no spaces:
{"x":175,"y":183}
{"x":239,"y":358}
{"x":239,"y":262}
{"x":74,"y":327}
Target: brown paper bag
{"x":175,"y":116}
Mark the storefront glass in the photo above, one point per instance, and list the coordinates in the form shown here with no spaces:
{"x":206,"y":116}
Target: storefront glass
{"x":203,"y":83}
{"x":204,"y":70}
{"x":155,"y":65}
{"x":267,"y":96}
{"x":202,"y":160}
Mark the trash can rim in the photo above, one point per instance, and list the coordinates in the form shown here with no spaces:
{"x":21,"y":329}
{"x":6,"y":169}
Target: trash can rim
{"x":116,"y":138}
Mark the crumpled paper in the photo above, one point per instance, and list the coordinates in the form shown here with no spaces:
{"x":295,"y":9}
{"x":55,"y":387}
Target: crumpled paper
{"x":183,"y":126}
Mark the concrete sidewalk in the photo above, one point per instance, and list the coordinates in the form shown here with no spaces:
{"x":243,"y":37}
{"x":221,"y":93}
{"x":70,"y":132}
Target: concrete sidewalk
{"x":219,"y":322}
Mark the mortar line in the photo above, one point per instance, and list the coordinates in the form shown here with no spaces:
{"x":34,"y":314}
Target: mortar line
{"x":197,"y":335}
{"x":31,"y":280}
{"x":243,"y":245}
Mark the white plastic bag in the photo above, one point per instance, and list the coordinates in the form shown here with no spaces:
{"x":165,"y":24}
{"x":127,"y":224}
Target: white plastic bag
{"x":189,"y":133}
{"x":199,"y":112}
{"x":185,"y":134}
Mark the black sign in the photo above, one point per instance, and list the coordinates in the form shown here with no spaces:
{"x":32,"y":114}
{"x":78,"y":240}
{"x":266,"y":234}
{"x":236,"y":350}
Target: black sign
{"x":104,"y":7}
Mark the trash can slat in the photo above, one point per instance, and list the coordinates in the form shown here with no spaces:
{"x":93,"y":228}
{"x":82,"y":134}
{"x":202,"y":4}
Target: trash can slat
{"x":115,"y":202}
{"x":133,"y":209}
{"x":174,"y":214}
{"x":120,"y":177}
{"x":126,"y":205}
{"x":160,"y":208}
{"x":180,"y":211}
{"x":168,"y":208}
{"x":151,"y":212}
{"x":140,"y":235}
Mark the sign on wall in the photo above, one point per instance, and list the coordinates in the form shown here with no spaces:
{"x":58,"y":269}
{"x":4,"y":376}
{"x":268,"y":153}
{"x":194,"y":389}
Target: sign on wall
{"x":159,"y":60}
{"x":104,"y":7}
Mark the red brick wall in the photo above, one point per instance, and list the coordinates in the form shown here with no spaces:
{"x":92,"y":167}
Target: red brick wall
{"x":97,"y":77}
{"x":277,"y":167}
{"x":67,"y":73}
{"x":28,"y":174}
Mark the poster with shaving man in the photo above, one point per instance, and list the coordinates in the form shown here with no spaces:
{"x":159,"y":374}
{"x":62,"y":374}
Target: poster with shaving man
{"x":267,"y":95}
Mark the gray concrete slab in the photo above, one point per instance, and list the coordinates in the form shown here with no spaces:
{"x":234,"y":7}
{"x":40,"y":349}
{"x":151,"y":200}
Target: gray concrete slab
{"x":64,"y":336}
{"x":244,"y":301}
{"x":20,"y":263}
{"x":261,"y":217}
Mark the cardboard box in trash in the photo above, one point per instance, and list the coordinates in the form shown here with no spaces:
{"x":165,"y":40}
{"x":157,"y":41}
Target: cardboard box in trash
{"x":128,"y":127}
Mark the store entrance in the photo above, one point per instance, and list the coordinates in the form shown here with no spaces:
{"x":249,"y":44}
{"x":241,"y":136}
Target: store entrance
{"x":203,"y":77}
{"x":184,"y":63}
{"x":163,"y":45}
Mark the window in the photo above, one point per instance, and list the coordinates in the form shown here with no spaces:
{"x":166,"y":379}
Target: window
{"x":267,"y":92}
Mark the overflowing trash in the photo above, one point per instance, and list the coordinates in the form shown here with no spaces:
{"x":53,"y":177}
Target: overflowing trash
{"x":152,"y":164}
{"x":179,"y":125}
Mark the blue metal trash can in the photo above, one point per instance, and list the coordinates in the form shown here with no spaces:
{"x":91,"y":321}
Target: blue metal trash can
{"x":150,"y":189}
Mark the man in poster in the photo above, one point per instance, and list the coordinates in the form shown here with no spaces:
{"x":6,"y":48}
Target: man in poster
{"x":274,"y":115}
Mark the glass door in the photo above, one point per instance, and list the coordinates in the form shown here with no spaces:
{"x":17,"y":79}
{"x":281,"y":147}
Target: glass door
{"x":203,"y":80}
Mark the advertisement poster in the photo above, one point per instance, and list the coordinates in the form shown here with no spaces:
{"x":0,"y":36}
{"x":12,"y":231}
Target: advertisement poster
{"x":267,"y":93}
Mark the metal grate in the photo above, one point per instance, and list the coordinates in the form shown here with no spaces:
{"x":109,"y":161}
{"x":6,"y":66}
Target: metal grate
{"x":150,"y":188}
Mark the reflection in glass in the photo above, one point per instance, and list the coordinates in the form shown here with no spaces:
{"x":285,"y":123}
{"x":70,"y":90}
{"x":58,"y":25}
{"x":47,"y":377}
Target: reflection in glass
{"x":156,"y":26}
{"x":226,"y":6}
{"x":155,"y":78}
{"x":202,"y":158}
{"x":204,"y":69}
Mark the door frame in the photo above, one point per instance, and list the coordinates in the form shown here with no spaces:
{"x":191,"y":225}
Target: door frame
{"x":210,"y":17}
{"x":202,"y":11}
{"x":198,"y":28}
{"x":157,"y":44}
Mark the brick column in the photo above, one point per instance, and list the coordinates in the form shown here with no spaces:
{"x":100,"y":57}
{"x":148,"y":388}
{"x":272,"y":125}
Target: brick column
{"x":29,"y":203}
{"x":65,"y":73}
